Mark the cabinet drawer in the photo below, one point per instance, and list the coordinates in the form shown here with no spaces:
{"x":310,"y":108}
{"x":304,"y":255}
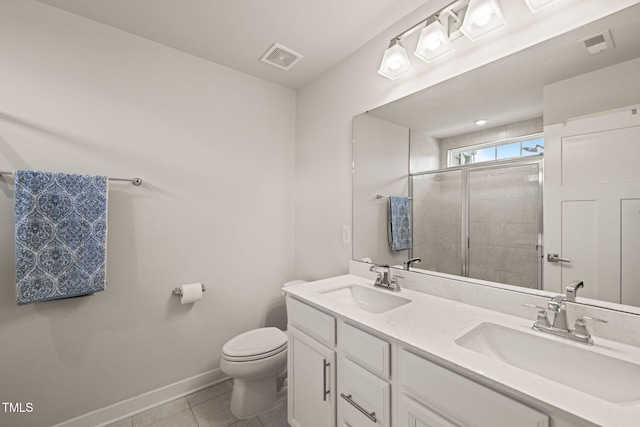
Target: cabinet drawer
{"x":364,"y":399}
{"x":369,"y":351}
{"x":461,"y":400}
{"x":314,"y":322}
{"x":413,"y":414}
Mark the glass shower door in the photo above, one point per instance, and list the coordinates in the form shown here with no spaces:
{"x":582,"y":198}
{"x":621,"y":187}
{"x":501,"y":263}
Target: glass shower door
{"x":505,"y":224}
{"x":437,"y":221}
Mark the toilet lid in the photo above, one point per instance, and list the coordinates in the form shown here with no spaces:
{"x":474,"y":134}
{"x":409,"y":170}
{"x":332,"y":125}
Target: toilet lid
{"x":257,"y":343}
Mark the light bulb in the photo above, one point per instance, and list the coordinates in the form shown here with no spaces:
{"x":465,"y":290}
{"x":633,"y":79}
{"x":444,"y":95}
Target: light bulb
{"x":395,"y":62}
{"x":483,"y":17}
{"x":395,"y":65}
{"x":433,"y":43}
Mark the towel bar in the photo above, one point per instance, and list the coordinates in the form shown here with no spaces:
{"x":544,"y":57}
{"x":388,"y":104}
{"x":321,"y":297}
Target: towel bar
{"x":380,"y":196}
{"x":135,"y":181}
{"x":178,"y":291}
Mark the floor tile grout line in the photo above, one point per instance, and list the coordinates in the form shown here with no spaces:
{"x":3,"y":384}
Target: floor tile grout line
{"x":194,"y":415}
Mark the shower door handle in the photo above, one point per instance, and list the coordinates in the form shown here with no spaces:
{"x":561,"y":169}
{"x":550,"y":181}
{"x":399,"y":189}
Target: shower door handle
{"x":557,"y":258}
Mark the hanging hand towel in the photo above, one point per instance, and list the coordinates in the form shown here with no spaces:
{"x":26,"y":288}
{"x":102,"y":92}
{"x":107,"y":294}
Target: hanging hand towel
{"x":399,"y":224}
{"x":61,"y":235}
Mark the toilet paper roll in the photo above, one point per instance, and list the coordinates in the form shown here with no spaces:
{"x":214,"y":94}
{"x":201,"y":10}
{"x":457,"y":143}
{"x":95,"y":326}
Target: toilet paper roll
{"x":191,"y":292}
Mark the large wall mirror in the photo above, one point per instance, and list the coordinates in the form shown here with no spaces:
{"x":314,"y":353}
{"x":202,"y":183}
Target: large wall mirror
{"x":489,"y":203}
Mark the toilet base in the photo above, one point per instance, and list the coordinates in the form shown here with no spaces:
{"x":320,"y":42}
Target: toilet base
{"x":253,"y":397}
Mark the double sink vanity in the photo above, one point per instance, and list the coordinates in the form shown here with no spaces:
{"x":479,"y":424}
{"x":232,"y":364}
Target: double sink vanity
{"x":360,"y":355}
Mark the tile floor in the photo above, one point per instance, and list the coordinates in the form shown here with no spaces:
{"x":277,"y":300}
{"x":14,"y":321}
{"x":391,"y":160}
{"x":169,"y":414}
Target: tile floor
{"x":205,"y":408}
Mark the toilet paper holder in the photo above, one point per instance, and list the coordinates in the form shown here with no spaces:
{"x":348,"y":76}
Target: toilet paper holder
{"x":178,"y":291}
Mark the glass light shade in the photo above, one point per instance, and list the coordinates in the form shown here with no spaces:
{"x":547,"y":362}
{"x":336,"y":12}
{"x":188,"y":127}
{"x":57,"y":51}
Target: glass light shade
{"x":483,"y":17}
{"x":536,"y":5}
{"x":434,"y":42}
{"x":395,"y":62}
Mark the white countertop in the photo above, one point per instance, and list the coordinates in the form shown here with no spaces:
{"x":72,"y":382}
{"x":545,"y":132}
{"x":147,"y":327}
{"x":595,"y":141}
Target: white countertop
{"x":431,"y":325}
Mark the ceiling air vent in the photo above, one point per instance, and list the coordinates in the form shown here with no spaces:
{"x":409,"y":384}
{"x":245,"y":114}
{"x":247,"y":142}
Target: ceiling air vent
{"x":598,"y":43}
{"x":281,"y":57}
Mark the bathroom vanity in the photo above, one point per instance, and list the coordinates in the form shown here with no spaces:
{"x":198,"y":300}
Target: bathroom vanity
{"x":364,"y":356}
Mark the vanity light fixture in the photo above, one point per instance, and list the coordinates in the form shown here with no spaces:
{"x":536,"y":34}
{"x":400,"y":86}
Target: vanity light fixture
{"x":395,"y":61}
{"x":483,"y":17}
{"x":536,"y":5}
{"x":471,"y":18}
{"x":434,"y":41}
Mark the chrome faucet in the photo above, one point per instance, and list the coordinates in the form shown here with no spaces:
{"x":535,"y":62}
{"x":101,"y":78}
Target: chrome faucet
{"x":407,"y":263}
{"x":558,"y":306}
{"x":560,"y":326}
{"x":384,"y":279}
{"x":572,"y":290}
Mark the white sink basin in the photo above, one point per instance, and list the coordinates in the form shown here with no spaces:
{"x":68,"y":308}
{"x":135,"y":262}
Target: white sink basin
{"x":573,"y":365}
{"x":369,"y":299}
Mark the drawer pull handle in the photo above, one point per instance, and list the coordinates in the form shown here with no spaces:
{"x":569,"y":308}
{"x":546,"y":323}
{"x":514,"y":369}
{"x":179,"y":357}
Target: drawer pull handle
{"x":371,"y":416}
{"x":324,"y":380}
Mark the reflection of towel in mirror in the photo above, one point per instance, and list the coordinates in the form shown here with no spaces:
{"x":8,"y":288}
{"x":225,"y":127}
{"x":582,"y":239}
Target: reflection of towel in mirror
{"x":399,"y":225}
{"x":61,"y":235}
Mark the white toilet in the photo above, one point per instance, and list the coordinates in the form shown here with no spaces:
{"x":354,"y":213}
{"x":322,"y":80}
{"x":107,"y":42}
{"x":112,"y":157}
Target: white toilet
{"x":257,"y":362}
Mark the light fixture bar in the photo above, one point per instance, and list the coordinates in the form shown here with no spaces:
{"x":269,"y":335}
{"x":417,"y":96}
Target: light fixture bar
{"x":407,"y":33}
{"x":536,"y":5}
{"x":448,"y":9}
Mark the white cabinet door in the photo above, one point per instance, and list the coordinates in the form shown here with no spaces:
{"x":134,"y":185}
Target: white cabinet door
{"x":591,"y":183}
{"x":413,"y":414}
{"x":311,"y":379}
{"x":464,"y":402}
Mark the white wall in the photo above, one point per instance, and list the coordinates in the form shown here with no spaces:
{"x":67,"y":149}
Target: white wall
{"x":215,"y":149}
{"x":324,"y":110}
{"x":424,"y":152}
{"x":612,"y":87}
{"x":381,"y":156}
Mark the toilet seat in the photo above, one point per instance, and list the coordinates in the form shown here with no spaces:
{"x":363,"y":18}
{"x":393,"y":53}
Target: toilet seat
{"x":255,"y":345}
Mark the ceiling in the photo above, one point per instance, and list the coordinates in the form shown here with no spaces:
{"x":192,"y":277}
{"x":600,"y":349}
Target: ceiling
{"x":237,"y":33}
{"x":510,"y":89}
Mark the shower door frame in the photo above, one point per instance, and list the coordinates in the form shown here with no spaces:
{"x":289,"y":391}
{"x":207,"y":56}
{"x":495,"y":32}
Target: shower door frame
{"x":465,"y":193}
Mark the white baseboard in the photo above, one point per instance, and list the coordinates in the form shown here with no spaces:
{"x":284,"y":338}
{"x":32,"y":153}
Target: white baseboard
{"x":126,"y":408}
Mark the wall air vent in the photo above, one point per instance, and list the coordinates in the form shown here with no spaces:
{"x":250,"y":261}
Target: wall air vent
{"x":599,"y":42}
{"x":281,"y":57}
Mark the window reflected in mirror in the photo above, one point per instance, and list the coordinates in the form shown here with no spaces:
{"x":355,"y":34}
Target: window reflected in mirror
{"x":530,"y":145}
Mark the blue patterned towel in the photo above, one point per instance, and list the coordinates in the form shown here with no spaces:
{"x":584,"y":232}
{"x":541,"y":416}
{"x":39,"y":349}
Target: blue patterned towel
{"x":399,"y":225}
{"x":61,"y":235}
